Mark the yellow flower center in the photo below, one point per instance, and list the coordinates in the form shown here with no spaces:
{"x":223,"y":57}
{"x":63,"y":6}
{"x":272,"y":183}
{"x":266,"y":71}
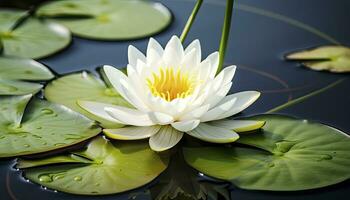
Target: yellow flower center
{"x":170,"y":85}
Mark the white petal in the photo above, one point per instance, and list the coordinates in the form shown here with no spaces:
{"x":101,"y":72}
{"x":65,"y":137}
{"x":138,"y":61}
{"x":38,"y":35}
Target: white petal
{"x":134,"y":54}
{"x":131,"y":132}
{"x":205,"y":68}
{"x":137,"y":118}
{"x":228,"y":72}
{"x":217,"y":111}
{"x":189,"y":62}
{"x":195,"y":46}
{"x":173,"y":108}
{"x":238,"y":125}
{"x":166,"y":138}
{"x":214,"y":99}
{"x":154,"y":45}
{"x":185,"y":126}
{"x":224,"y":77}
{"x":97,"y":109}
{"x":213,"y":134}
{"x":153,"y":58}
{"x":173,"y":52}
{"x":195,"y":114}
{"x":122,"y":84}
{"x":218,"y":81}
{"x":244,"y":100}
{"x":214,"y":61}
{"x":161,"y":118}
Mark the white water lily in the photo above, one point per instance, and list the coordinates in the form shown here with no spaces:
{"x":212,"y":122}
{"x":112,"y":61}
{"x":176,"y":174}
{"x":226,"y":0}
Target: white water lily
{"x":173,"y":92}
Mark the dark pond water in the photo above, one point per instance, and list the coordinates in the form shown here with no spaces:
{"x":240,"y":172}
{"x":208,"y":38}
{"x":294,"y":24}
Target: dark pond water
{"x":260,"y":37}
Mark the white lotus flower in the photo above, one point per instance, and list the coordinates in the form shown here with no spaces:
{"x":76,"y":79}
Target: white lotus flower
{"x":173,"y":92}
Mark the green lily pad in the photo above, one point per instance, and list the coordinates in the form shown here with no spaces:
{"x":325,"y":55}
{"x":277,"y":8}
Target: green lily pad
{"x":290,"y":154}
{"x":15,"y":71}
{"x":43,"y":126}
{"x":108,"y":19}
{"x":67,"y":90}
{"x":330,"y":58}
{"x":34,"y":38}
{"x":115,"y":167}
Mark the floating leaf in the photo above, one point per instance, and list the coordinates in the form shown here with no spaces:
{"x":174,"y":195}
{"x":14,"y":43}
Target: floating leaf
{"x":67,"y":90}
{"x":331,"y":58}
{"x":294,"y":155}
{"x":32,"y":39}
{"x":14,"y":72}
{"x":109,"y":20}
{"x":43,"y":127}
{"x":115,"y":167}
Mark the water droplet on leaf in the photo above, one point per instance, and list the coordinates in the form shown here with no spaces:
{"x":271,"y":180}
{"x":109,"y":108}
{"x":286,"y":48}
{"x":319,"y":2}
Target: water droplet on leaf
{"x":47,"y":111}
{"x":36,"y":136}
{"x":78,"y":178}
{"x":59,"y":144}
{"x":325,"y":157}
{"x":271,"y":164}
{"x":45,"y":178}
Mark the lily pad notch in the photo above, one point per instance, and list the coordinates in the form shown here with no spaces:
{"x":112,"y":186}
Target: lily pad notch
{"x":34,"y":38}
{"x":17,"y":75}
{"x":104,"y":167}
{"x":31,"y":125}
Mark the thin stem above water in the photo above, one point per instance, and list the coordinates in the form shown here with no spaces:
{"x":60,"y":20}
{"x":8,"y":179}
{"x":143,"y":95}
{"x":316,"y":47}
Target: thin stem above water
{"x":225,"y":33}
{"x":190,"y":20}
{"x":305,"y":97}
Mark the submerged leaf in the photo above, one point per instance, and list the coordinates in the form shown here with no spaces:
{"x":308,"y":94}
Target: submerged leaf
{"x":292,"y":155}
{"x":115,"y":167}
{"x":32,"y":39}
{"x":67,"y":90}
{"x":15,"y":71}
{"x":108,"y":20}
{"x":43,"y":127}
{"x":331,"y":58}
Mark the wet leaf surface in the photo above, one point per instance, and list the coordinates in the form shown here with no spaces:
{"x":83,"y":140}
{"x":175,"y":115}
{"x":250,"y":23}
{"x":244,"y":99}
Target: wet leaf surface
{"x":115,"y":167}
{"x":43,"y":127}
{"x":290,"y":154}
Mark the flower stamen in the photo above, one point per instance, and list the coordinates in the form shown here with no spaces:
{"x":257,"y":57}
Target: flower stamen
{"x":171,"y":85}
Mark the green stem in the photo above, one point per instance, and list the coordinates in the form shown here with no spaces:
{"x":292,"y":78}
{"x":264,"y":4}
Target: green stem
{"x":303,"y":98}
{"x":225,"y":33}
{"x":190,"y":20}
